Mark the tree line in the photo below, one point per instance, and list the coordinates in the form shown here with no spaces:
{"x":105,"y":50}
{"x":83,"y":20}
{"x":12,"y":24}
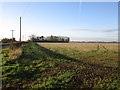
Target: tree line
{"x":51,"y":38}
{"x":34,"y":38}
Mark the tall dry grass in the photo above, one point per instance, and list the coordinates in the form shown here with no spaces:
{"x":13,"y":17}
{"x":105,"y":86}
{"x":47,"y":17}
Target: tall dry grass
{"x":15,"y":53}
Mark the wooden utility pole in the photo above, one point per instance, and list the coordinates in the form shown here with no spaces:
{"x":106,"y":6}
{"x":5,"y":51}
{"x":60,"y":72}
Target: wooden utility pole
{"x":20,"y":28}
{"x":12,"y":33}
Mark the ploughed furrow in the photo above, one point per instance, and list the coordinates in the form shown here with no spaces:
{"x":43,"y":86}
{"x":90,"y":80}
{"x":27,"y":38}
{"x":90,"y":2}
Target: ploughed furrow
{"x":104,"y":47}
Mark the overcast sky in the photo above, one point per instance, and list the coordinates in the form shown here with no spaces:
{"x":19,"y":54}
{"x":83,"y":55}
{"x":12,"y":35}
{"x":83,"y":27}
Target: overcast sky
{"x":96,"y":21}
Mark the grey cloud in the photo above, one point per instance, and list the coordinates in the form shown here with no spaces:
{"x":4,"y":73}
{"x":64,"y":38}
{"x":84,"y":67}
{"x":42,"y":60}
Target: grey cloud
{"x":92,"y":30}
{"x":77,"y":29}
{"x":107,"y":30}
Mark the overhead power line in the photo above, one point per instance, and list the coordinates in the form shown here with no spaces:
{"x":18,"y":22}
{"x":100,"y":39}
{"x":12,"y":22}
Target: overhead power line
{"x":80,"y":7}
{"x":26,"y":8}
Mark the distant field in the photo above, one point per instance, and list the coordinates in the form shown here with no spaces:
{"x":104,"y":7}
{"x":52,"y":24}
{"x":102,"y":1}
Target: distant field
{"x":105,"y":54}
{"x":61,"y":65}
{"x":82,"y":46}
